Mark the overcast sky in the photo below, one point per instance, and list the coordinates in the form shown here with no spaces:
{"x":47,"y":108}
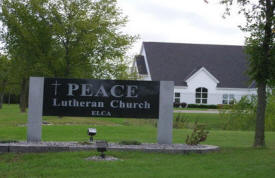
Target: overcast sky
{"x":182,"y":21}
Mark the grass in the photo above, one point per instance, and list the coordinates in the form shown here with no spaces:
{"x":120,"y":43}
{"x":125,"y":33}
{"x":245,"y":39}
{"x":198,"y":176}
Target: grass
{"x":10,"y":116}
{"x":211,"y":121}
{"x":137,"y":164}
{"x":237,"y":158}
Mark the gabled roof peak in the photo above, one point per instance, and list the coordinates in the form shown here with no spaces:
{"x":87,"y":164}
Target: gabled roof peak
{"x":202,"y":69}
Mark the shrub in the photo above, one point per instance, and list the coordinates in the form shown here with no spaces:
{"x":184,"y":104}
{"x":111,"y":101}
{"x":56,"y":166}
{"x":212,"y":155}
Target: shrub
{"x":176,"y":104}
{"x":225,"y":106}
{"x":270,"y":113}
{"x":183,"y":105}
{"x":202,"y":106}
{"x":179,"y":122}
{"x":242,"y":115}
{"x":198,"y":135}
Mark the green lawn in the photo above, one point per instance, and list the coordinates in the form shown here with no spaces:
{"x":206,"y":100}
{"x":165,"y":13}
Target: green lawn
{"x":236,"y":159}
{"x":233,"y":162}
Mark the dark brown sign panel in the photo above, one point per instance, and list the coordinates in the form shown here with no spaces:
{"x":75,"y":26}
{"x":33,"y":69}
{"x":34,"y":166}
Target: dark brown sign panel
{"x":101,"y":98}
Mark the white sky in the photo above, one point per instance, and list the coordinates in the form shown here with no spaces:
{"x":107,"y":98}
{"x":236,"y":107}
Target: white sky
{"x":182,"y":21}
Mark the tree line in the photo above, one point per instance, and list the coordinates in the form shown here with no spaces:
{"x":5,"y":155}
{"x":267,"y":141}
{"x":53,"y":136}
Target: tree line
{"x":61,"y":38}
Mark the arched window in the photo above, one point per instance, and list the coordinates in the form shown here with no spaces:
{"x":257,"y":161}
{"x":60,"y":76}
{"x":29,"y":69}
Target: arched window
{"x":201,"y":95}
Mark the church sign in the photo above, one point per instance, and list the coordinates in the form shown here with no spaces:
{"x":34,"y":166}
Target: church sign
{"x":101,"y":98}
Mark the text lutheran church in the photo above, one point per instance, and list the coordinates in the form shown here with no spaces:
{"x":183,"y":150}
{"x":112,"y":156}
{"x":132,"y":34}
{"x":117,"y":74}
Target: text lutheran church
{"x":89,"y":90}
{"x":203,"y":74}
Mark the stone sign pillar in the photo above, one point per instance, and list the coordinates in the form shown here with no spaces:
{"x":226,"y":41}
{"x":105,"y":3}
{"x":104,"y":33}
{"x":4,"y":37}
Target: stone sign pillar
{"x":165,"y":121}
{"x":35,"y":109}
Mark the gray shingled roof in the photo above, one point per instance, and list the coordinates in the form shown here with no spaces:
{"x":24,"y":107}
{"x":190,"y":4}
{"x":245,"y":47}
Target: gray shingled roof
{"x":177,"y":61}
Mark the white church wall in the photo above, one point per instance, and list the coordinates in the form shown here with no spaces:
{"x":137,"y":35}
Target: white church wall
{"x":215,"y":95}
{"x":201,"y":79}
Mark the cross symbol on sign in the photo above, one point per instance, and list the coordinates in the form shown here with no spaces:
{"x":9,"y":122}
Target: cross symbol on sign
{"x":55,"y":87}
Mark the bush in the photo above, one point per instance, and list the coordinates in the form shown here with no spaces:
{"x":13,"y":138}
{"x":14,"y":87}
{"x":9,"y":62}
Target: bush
{"x":183,"y":105}
{"x":202,"y":106}
{"x":176,"y":104}
{"x":179,"y":122}
{"x":242,"y":115}
{"x":270,"y":113}
{"x":198,"y":135}
{"x":225,"y":106}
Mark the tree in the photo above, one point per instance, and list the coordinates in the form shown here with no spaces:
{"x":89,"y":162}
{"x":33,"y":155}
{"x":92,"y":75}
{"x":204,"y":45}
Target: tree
{"x":260,"y":47}
{"x":65,"y":38}
{"x":27,"y":37}
{"x":88,"y":34}
{"x":4,"y":74}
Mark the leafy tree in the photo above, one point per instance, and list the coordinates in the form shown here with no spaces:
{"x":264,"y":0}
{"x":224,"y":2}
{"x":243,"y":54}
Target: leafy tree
{"x":88,"y":34}
{"x":28,"y":40}
{"x":260,"y":46}
{"x":8,"y":81}
{"x":65,"y":38}
{"x":4,"y":74}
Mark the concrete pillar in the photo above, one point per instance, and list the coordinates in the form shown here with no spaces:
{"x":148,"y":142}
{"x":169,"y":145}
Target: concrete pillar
{"x":165,"y":121}
{"x":36,"y":89}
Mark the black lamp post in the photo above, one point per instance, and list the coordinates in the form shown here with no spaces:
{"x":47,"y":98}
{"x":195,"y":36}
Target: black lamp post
{"x":101,"y":146}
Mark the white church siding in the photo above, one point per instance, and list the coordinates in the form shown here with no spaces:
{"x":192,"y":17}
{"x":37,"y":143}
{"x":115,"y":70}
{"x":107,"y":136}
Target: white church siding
{"x":203,"y":79}
{"x":237,"y":92}
{"x":216,"y":97}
